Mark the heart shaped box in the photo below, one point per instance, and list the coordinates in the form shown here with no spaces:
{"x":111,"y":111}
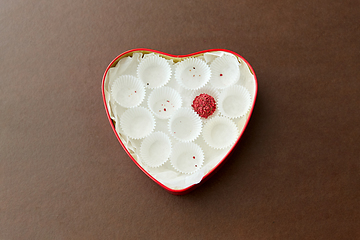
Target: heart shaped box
{"x":247,"y":77}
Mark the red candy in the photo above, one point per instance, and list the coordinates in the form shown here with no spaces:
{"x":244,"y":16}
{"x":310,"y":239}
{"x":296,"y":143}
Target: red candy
{"x":204,"y":105}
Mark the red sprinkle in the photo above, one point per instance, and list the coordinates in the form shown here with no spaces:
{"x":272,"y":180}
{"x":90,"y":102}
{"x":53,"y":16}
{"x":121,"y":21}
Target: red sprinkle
{"x":204,"y":105}
{"x":195,"y":165}
{"x":165,"y":109}
{"x":135,"y":91}
{"x":193,"y":157}
{"x":220,"y":74}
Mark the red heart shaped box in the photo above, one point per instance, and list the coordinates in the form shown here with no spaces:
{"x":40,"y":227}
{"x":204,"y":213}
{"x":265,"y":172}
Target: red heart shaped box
{"x":176,"y":58}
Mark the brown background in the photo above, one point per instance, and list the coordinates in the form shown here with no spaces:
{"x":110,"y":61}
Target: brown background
{"x":294,"y":175}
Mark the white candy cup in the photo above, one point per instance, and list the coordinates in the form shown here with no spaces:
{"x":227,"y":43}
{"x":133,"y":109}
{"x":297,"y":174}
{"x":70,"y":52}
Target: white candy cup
{"x":187,"y":157}
{"x":234,"y":101}
{"x":137,"y":122}
{"x":163,"y":102}
{"x":220,"y":132}
{"x":185,"y":125}
{"x":210,"y":91}
{"x":155,"y":149}
{"x":207,"y":90}
{"x":192,"y":73}
{"x":128,"y":91}
{"x":154,"y":71}
{"x":225,"y":71}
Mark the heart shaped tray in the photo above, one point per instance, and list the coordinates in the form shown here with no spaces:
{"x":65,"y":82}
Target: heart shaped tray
{"x":131,"y":65}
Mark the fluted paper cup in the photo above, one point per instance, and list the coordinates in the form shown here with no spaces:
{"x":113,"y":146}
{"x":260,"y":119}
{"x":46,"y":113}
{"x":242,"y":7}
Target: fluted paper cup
{"x":155,"y":149}
{"x":154,"y":71}
{"x":163,"y":102}
{"x":128,"y":91}
{"x":187,"y":157}
{"x":185,"y":125}
{"x":225,"y":71}
{"x":234,"y":101}
{"x":137,"y":123}
{"x":220,"y":132}
{"x":192,"y":73}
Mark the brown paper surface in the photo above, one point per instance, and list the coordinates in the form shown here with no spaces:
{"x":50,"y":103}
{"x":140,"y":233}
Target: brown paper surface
{"x":294,"y":175}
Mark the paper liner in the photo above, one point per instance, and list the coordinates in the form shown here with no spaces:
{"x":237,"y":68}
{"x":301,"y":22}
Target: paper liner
{"x":187,"y":157}
{"x":185,"y":125}
{"x":210,"y":91}
{"x":225,"y":71}
{"x":154,"y":71}
{"x":163,"y":102}
{"x":234,"y":101}
{"x":192,"y":73}
{"x":128,"y":91}
{"x":137,"y":122}
{"x":155,"y":149}
{"x":220,"y":132}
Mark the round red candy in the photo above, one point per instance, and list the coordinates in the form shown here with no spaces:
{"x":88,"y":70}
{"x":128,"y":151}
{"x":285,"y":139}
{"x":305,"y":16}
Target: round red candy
{"x":204,"y":105}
